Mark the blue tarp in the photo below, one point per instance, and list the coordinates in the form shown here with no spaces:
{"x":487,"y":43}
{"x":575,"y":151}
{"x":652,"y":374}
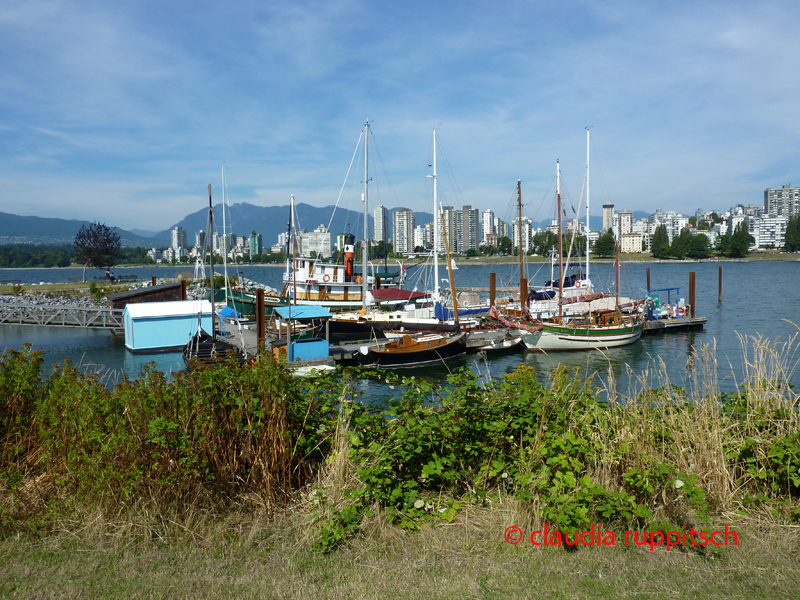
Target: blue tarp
{"x":230,"y":313}
{"x":302,"y":311}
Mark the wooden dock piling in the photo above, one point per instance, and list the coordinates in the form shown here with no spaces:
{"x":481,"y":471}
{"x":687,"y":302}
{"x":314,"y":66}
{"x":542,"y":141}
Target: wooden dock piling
{"x":691,"y":292}
{"x":183,"y":289}
{"x":261,"y":325}
{"x":648,"y":279}
{"x":492,"y":288}
{"x":720,"y":284}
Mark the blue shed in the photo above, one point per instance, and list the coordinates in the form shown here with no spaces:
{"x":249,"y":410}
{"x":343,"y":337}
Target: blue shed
{"x":158,"y":326}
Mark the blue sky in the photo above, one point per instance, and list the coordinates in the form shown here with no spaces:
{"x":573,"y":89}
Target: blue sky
{"x":124,"y":112}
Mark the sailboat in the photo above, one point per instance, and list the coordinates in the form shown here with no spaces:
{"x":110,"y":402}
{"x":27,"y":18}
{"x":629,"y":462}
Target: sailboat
{"x":208,"y":348}
{"x":596,"y":329}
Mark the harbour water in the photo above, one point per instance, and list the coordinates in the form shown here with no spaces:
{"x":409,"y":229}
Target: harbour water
{"x":759,"y":300}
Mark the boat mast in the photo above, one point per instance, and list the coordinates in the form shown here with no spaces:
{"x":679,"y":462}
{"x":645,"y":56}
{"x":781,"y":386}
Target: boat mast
{"x":366,"y":219}
{"x":211,"y":258}
{"x":587,"y":204}
{"x":436,"y":228}
{"x":294,"y":251}
{"x":522,"y":300}
{"x":619,"y":240}
{"x":224,"y":239}
{"x":450,"y":270}
{"x":560,"y":253}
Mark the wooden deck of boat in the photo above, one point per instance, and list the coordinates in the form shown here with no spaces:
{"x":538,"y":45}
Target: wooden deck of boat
{"x":666,"y":325}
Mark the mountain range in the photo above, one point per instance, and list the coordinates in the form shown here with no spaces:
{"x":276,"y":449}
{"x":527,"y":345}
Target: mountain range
{"x":242,"y":219}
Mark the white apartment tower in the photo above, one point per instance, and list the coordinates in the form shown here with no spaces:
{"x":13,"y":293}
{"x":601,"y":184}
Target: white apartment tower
{"x":608,"y":216}
{"x":178,"y":238}
{"x":487,"y":224}
{"x":783,"y":201}
{"x":403,"y":221}
{"x":381,"y":216}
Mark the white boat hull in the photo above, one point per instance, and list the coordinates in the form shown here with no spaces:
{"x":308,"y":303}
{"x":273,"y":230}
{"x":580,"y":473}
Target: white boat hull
{"x":557,"y":338}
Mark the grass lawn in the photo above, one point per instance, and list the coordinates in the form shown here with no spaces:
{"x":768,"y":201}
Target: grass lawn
{"x":465,"y":559}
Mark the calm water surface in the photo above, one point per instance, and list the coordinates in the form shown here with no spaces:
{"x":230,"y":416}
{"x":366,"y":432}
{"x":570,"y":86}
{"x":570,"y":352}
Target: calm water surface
{"x":760,"y":299}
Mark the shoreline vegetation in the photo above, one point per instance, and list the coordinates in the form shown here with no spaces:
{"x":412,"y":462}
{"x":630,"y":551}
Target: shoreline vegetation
{"x":479,"y":260}
{"x":248,"y":482}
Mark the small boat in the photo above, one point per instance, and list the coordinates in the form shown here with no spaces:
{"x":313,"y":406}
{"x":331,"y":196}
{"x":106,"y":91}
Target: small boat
{"x":499,"y":346}
{"x":414,"y":351}
{"x":208,"y":349}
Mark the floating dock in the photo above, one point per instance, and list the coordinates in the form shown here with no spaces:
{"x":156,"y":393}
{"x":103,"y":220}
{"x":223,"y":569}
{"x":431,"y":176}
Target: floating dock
{"x":667,"y":325}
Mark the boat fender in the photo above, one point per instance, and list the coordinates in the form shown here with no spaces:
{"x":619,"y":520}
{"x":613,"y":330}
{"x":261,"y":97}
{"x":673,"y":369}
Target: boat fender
{"x":364,"y":350}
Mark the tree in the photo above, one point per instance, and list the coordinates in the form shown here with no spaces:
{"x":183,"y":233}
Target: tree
{"x":97,"y":246}
{"x":740,"y":242}
{"x":504,"y":244}
{"x":681,"y":244}
{"x":605,"y":244}
{"x":659,"y":246}
{"x":699,"y":247}
{"x":792,"y":236}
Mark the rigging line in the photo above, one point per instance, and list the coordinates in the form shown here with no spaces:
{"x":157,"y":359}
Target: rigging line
{"x":450,"y":174}
{"x":358,"y":143}
{"x":385,"y":171}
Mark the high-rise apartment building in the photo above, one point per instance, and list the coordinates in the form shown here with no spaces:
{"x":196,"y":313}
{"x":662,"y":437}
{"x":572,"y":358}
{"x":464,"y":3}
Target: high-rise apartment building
{"x":403,"y":222}
{"x":256,"y":246}
{"x":626,"y":222}
{"x":178,"y":238}
{"x":200,"y":240}
{"x":608,"y":216}
{"x":470,"y":229}
{"x":381,"y":216}
{"x":487,"y":225}
{"x":783,"y":201}
{"x":452,"y":237}
{"x":527,"y":226}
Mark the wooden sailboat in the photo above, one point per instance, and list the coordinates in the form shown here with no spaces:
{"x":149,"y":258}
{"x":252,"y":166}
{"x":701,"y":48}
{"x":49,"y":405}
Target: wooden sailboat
{"x":420,"y":349}
{"x":602,"y":329}
{"x":208,"y":348}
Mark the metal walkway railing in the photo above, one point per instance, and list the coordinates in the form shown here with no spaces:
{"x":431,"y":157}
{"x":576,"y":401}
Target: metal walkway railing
{"x":61,"y":316}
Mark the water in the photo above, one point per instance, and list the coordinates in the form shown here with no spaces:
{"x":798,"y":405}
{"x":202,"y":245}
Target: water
{"x":759,"y":299}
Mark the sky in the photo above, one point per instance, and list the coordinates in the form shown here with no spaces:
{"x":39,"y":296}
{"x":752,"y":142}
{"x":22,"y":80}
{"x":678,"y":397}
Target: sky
{"x":124,"y":112}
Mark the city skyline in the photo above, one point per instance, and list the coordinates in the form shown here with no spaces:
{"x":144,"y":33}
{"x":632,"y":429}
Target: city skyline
{"x":118,"y":113}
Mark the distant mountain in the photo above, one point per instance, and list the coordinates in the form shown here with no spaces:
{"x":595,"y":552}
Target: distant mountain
{"x":144,"y":233}
{"x":16,"y":229}
{"x":271,"y":221}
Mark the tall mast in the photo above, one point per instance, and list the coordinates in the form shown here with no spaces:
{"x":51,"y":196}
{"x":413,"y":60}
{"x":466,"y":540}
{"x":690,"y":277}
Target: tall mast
{"x":619,"y":241}
{"x":587,"y":204}
{"x":450,"y":271}
{"x":294,"y":251}
{"x":224,"y":239}
{"x":560,"y":253}
{"x":366,"y":220}
{"x":519,"y":227}
{"x":211,"y":258}
{"x":436,"y":228}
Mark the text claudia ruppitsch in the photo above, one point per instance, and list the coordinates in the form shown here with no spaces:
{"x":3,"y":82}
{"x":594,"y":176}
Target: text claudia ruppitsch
{"x":597,"y":536}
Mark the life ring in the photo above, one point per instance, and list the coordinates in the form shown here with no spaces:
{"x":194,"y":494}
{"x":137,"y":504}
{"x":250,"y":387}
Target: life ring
{"x":578,"y":283}
{"x":326,"y":278}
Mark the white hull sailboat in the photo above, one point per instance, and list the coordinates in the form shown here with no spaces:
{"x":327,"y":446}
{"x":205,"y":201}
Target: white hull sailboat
{"x":609,"y":328}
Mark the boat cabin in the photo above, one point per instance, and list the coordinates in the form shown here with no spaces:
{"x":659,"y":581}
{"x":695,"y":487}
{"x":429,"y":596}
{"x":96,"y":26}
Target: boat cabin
{"x":163,"y":326}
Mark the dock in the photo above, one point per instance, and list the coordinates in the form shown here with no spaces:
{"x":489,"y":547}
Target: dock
{"x":61,"y":316}
{"x":667,"y":325}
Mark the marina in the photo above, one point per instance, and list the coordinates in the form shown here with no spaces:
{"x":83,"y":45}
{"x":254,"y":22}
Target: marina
{"x":99,"y":351}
